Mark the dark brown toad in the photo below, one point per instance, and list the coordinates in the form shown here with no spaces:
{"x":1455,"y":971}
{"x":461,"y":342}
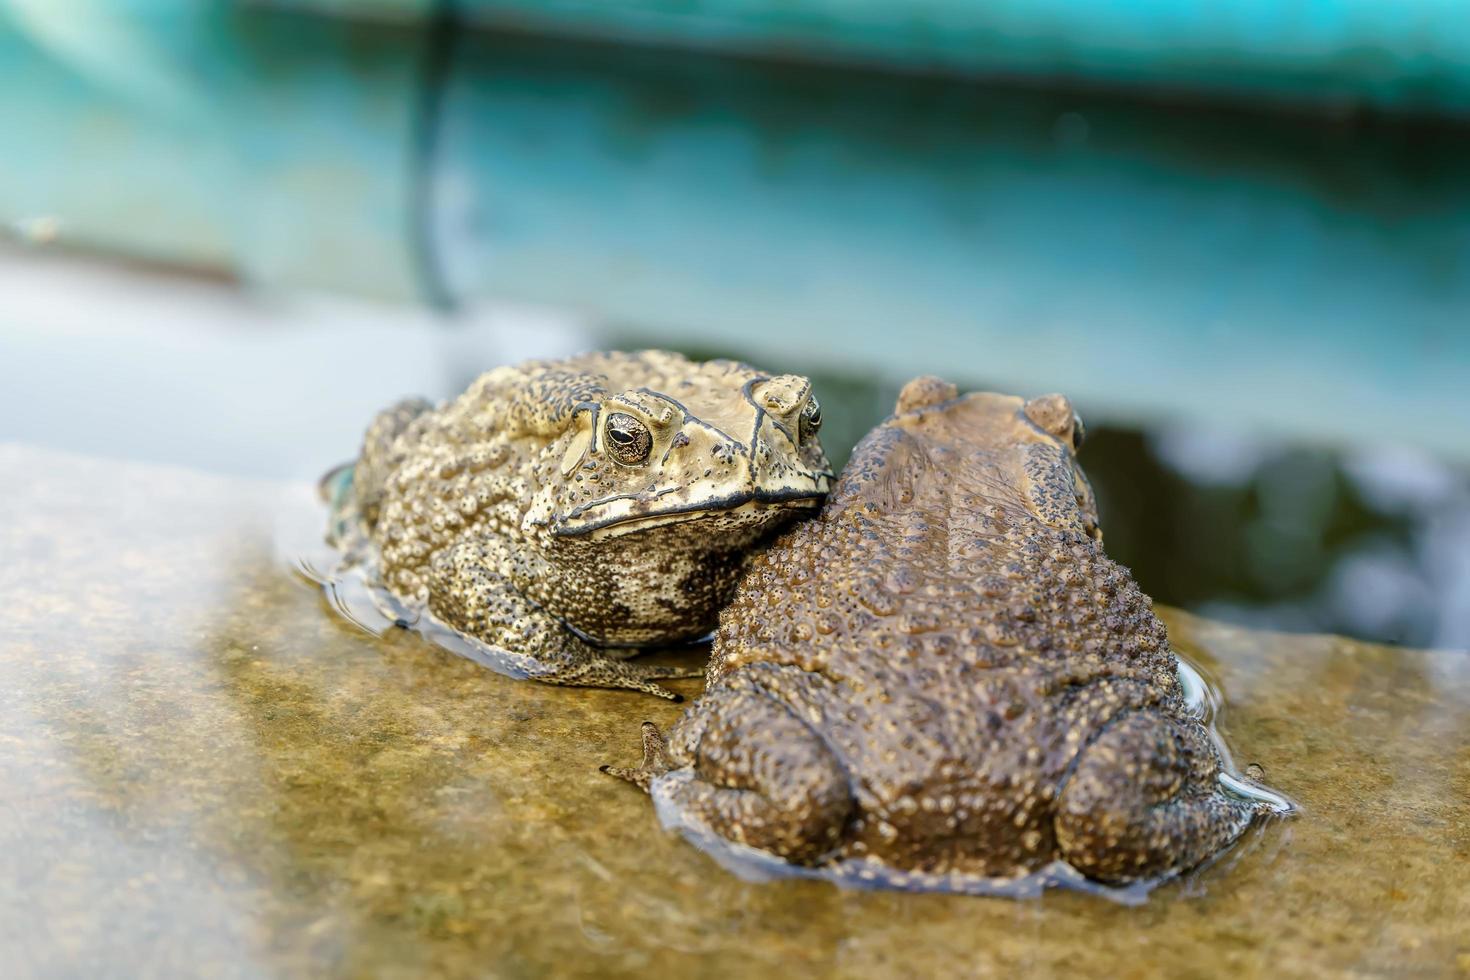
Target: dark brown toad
{"x":943,"y":678}
{"x":565,"y":514}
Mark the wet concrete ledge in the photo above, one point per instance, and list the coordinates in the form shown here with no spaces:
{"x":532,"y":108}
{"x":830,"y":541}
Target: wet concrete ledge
{"x":205,"y":772}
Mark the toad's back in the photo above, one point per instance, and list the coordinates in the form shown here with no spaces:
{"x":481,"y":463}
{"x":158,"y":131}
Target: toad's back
{"x":943,"y":673}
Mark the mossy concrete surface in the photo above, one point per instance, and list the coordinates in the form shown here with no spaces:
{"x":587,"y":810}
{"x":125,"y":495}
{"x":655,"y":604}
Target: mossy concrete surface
{"x":204,"y":771}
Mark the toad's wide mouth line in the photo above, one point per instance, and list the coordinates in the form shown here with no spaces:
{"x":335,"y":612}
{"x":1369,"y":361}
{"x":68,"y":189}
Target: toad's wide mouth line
{"x":759,"y":500}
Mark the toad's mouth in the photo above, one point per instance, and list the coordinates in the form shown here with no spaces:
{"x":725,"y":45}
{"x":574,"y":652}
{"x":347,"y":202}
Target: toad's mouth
{"x":755,"y":507}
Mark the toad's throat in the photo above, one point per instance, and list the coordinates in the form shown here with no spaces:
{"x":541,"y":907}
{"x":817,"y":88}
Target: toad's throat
{"x":756,"y":506}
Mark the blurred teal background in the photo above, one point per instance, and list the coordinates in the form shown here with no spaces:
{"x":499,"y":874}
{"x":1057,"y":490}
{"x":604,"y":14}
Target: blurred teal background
{"x":1236,"y":233}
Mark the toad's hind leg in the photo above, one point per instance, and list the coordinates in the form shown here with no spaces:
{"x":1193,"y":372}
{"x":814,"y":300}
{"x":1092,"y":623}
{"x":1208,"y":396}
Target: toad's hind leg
{"x":1144,"y":801}
{"x":760,"y":776}
{"x":467,"y":595}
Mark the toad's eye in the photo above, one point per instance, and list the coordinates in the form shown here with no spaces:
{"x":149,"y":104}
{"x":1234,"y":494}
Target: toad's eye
{"x":628,"y":440}
{"x":1078,"y":432}
{"x":811,"y":416}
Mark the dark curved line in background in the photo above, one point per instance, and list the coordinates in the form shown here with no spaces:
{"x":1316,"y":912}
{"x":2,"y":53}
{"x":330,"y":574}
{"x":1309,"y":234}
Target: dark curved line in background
{"x":441,"y":36}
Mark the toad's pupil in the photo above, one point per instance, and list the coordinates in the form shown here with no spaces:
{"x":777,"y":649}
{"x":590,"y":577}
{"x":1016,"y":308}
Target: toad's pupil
{"x":618,"y":435}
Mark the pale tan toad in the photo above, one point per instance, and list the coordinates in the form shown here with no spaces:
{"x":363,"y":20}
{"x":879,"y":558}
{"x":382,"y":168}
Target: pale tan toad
{"x":568,"y":513}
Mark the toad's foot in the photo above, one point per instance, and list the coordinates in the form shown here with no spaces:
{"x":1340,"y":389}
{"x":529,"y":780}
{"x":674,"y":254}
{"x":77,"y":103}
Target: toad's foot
{"x":558,"y":657}
{"x":592,"y":668}
{"x":656,"y":760}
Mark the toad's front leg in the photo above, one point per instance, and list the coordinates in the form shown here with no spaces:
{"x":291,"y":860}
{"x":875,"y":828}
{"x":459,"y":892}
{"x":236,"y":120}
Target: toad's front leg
{"x":468,"y":594}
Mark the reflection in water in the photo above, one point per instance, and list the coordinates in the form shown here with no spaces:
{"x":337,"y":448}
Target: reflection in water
{"x":1373,"y":543}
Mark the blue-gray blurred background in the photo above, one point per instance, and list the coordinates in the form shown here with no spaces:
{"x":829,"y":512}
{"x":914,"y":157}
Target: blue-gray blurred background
{"x":1236,"y":233}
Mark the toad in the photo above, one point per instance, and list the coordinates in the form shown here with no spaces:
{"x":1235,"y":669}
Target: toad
{"x":943,"y":682}
{"x":567,"y":514}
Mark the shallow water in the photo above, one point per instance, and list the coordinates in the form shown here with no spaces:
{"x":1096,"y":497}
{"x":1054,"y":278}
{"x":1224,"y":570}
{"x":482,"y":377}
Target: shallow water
{"x":202,"y":770}
{"x":344,"y":568}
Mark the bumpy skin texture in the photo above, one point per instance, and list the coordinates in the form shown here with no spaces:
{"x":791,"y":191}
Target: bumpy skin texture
{"x":944,"y":674}
{"x":566,"y":513}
